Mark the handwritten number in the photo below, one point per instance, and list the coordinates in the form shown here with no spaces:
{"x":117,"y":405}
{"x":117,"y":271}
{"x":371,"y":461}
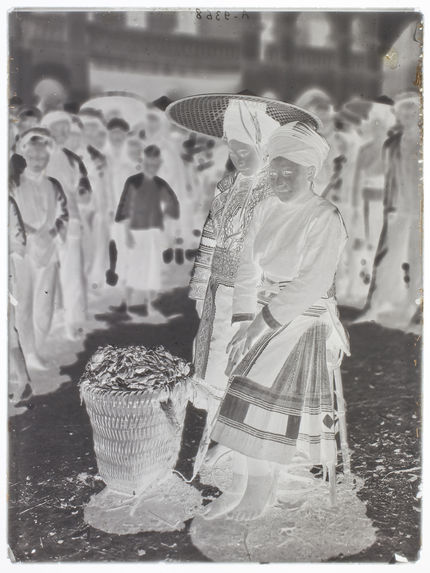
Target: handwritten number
{"x":227,"y":15}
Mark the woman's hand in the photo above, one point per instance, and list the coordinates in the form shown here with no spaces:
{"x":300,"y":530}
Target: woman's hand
{"x":243,"y":340}
{"x":235,"y":347}
{"x":255,"y":331}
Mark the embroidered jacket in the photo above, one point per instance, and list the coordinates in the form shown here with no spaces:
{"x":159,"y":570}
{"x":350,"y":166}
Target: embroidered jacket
{"x":224,"y":231}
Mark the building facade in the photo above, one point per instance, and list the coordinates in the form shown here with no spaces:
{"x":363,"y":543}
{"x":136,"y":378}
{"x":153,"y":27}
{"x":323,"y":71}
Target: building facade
{"x":282,"y":53}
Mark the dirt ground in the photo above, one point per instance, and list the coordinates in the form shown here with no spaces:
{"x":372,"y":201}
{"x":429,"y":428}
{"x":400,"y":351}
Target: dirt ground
{"x":53,"y":471}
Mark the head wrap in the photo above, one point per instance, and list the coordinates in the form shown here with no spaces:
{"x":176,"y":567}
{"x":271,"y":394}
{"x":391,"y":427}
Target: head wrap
{"x":76,"y":125}
{"x":54,"y":116}
{"x":118,"y":123}
{"x":406,"y":97}
{"x":300,"y":144}
{"x":248,"y":122}
{"x":29,"y":111}
{"x":313,"y":96}
{"x":90,"y":115}
{"x":36,"y":135}
{"x":381,"y":113}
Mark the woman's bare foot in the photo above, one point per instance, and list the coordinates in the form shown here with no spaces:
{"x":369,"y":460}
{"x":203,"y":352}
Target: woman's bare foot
{"x":228,"y":500}
{"x":259,"y":494}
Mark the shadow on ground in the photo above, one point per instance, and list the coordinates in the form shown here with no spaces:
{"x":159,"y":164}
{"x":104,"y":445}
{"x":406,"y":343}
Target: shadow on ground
{"x":53,"y":472}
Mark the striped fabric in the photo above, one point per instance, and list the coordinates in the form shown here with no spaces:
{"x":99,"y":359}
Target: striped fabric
{"x":295,"y":412}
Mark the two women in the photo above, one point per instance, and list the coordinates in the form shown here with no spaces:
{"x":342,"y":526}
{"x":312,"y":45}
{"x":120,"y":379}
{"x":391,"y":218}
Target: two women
{"x":246,"y":124}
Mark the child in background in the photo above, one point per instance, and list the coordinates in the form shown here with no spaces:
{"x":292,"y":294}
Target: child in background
{"x":146,"y":202}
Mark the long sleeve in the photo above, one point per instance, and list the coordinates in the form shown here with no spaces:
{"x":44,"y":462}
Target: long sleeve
{"x":170,"y":201}
{"x":84,"y":185}
{"x":17,"y":236}
{"x":61,"y":213}
{"x":325,"y":241}
{"x":203,"y":261}
{"x":84,"y":188}
{"x":248,"y":274}
{"x":123,"y":211}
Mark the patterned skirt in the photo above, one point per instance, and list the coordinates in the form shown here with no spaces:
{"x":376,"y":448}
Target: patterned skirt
{"x":280,"y":399}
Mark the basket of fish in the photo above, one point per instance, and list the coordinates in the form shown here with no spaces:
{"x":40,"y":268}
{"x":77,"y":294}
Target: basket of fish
{"x":136,"y":400}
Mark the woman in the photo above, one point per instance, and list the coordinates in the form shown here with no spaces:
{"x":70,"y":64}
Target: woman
{"x":245,"y":123}
{"x":43,"y":206}
{"x":19,"y":379}
{"x":69,"y":170}
{"x":280,"y":399}
{"x":394,"y":298}
{"x":218,"y":256}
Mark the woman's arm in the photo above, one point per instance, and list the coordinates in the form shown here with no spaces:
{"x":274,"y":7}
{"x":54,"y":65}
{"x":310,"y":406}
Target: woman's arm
{"x":203,"y":262}
{"x":248,"y":273}
{"x":62,"y":212}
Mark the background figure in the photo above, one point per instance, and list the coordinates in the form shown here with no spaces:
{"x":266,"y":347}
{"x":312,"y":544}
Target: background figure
{"x":68,"y":168}
{"x":120,"y":167}
{"x":102,"y":200}
{"x":319,"y":103}
{"x":146,"y":202}
{"x":43,"y":206}
{"x":28,"y":116}
{"x":159,"y":132}
{"x":19,"y":379}
{"x":346,"y":143}
{"x":75,"y":141}
{"x":368,"y":190}
{"x":395,"y":292}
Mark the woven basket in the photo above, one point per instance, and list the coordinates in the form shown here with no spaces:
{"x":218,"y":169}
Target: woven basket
{"x":137,"y":433}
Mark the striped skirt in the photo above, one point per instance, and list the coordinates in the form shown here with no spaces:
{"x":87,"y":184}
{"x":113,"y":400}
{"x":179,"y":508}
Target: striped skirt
{"x":280,"y":398}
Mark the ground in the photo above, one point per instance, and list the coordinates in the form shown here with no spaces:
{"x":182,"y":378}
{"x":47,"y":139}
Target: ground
{"x":53,"y":470}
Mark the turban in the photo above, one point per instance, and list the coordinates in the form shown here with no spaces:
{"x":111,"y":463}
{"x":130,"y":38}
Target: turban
{"x":313,"y":96}
{"x":29,"y":111}
{"x":36,"y":135}
{"x":90,"y":115}
{"x":248,"y":122}
{"x":406,"y":97}
{"x":54,"y":116}
{"x":382,"y":113}
{"x":118,"y":123}
{"x":76,"y":125}
{"x":300,"y":144}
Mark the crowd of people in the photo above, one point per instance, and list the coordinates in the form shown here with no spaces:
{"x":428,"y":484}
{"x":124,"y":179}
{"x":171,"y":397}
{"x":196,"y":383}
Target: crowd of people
{"x":90,"y":192}
{"x":96,"y":204}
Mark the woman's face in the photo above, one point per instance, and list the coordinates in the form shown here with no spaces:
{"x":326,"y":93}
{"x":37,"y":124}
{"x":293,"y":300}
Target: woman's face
{"x":100,"y":140}
{"x":74,"y":141}
{"x":117,"y":137}
{"x":134,"y":150}
{"x":36,"y":156}
{"x":288,"y":179}
{"x":244,"y":157}
{"x":60,"y":131}
{"x":408,"y":114}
